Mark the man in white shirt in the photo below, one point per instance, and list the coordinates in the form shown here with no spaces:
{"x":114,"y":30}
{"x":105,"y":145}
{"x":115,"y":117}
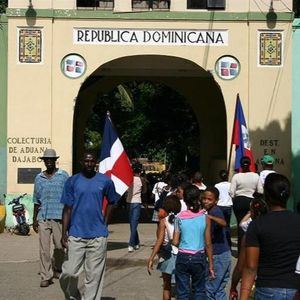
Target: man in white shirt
{"x":158,"y":188}
{"x":268,"y":164}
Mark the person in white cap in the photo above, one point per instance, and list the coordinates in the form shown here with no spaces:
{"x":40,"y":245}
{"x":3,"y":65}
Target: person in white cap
{"x":48,"y":188}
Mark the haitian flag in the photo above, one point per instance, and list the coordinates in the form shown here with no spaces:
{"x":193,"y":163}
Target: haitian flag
{"x":114,"y":161}
{"x":240,"y":137}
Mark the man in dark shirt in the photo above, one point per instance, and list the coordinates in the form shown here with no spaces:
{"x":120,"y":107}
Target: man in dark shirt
{"x":273,"y":246}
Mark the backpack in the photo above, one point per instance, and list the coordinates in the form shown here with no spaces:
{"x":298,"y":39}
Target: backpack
{"x":159,"y":203}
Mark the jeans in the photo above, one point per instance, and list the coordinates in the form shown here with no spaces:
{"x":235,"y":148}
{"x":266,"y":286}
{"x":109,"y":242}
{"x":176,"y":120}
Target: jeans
{"x":227,"y":210}
{"x":215,"y":289}
{"x":262,"y":293}
{"x":134,"y":216}
{"x":190,"y":267}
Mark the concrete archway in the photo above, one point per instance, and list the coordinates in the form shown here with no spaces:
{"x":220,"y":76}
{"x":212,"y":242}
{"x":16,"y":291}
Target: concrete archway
{"x":197,"y":85}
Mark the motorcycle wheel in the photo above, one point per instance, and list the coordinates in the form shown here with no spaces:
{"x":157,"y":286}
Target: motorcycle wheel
{"x":24,"y":229}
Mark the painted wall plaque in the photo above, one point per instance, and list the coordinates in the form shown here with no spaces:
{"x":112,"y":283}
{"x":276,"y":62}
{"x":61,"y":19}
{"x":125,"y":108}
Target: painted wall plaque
{"x":227,"y":67}
{"x":73,"y":66}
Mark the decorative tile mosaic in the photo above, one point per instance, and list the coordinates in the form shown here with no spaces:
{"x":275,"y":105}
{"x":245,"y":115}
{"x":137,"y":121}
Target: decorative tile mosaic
{"x":270,"y":48}
{"x":30,"y":45}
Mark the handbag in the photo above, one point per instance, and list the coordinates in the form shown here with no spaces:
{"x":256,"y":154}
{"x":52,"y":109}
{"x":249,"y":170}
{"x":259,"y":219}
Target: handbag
{"x":165,"y":252}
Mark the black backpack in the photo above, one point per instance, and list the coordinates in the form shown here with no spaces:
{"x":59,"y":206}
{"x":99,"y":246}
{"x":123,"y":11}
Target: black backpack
{"x":162,"y":197}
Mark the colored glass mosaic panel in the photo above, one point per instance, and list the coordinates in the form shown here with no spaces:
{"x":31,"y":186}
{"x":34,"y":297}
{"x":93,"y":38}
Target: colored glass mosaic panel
{"x":270,"y":49}
{"x":30,"y":45}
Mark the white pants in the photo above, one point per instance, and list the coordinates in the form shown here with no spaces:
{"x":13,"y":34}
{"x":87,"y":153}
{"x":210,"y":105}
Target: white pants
{"x":91,"y":254}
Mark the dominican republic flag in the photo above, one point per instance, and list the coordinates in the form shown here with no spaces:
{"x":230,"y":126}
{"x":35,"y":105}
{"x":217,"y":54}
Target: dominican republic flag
{"x":113,"y":159}
{"x":240,"y":137}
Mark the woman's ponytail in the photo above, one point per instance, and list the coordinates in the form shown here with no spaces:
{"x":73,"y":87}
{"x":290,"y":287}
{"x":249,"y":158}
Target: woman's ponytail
{"x":277,"y":189}
{"x":191,"y":197}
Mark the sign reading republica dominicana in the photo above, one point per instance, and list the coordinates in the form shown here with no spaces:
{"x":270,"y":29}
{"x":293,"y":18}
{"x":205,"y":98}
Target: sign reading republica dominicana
{"x":102,"y":36}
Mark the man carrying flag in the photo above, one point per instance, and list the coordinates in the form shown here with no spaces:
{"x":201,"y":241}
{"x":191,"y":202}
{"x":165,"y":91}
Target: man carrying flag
{"x":246,"y":182}
{"x":114,"y":161}
{"x":240,"y":138}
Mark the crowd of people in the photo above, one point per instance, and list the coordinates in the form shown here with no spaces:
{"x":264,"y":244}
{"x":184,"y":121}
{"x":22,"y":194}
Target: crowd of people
{"x":194,"y":243}
{"x":193,"y":235}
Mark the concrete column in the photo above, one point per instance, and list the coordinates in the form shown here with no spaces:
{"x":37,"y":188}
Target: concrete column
{"x":18,"y":3}
{"x":3,"y":104}
{"x":43,"y":4}
{"x":64,"y":4}
{"x":123,"y":5}
{"x":296,"y":114}
{"x":178,"y":5}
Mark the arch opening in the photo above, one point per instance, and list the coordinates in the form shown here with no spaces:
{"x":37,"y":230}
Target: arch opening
{"x":177,"y":86}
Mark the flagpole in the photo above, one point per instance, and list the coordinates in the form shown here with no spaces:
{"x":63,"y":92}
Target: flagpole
{"x":231,"y":146}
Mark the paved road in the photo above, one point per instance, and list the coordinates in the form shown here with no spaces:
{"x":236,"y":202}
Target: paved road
{"x":126,"y":275}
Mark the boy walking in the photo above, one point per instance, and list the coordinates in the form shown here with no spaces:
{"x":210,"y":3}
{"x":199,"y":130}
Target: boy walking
{"x":215,"y":288}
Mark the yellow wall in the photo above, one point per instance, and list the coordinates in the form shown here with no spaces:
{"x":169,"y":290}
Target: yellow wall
{"x":41,"y":99}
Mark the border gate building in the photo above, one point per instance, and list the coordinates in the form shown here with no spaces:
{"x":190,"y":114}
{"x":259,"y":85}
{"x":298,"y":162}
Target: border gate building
{"x":57,"y":55}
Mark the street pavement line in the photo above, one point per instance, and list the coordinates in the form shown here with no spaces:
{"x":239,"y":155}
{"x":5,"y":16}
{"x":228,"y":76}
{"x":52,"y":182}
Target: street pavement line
{"x":18,"y":261}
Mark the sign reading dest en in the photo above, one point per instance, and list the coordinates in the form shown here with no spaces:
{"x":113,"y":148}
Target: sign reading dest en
{"x":101,"y":36}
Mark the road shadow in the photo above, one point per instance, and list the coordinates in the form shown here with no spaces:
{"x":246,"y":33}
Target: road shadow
{"x":120,"y":215}
{"x":116,"y":245}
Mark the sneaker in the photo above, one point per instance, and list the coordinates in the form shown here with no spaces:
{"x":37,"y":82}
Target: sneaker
{"x":136,"y":247}
{"x":130,"y":249}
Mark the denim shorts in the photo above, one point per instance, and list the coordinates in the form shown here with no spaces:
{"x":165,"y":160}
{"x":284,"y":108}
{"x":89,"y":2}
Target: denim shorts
{"x":167,"y":265}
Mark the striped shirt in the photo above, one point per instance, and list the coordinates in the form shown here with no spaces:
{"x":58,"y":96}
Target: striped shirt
{"x":47,"y":194}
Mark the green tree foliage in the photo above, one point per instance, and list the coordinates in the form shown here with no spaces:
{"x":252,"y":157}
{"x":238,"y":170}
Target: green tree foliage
{"x":3,"y":6}
{"x":152,"y":121}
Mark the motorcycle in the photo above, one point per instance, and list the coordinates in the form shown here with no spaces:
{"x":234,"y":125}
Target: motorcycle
{"x":19,"y":213}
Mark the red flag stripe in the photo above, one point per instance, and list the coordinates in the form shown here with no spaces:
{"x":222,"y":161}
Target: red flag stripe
{"x":236,"y":133}
{"x":120,"y":169}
